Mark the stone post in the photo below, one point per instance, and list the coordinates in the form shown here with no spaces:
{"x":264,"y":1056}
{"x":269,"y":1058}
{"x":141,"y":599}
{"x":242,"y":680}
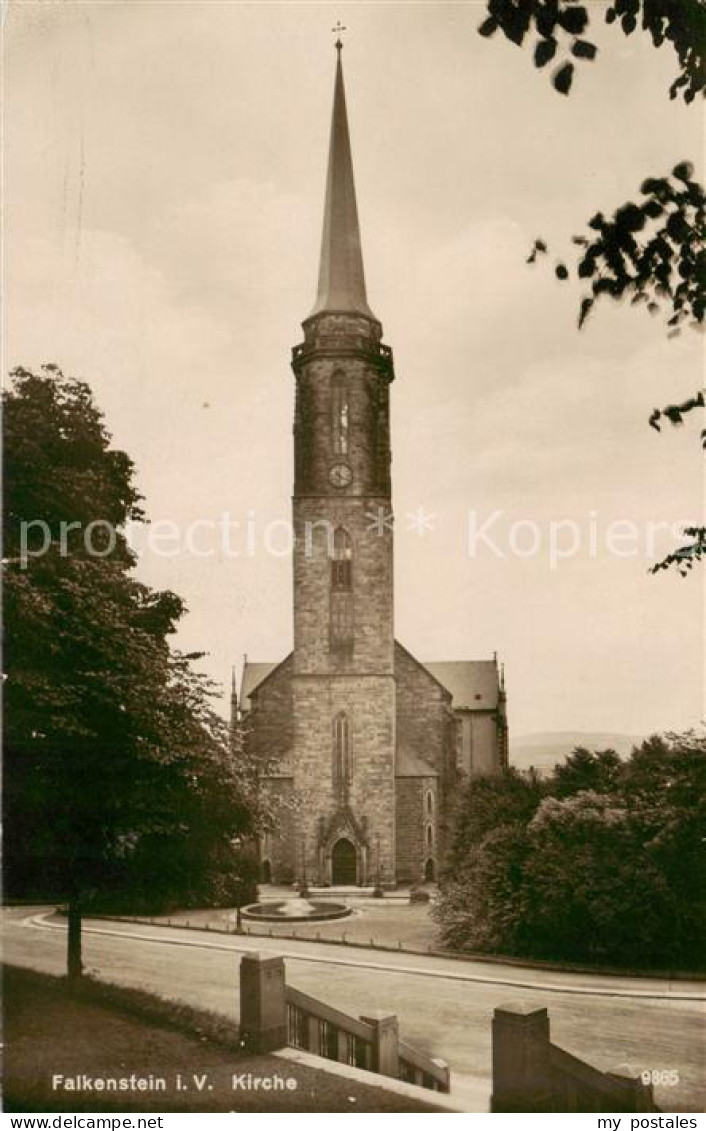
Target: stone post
{"x":443,"y":1085}
{"x":640,"y":1096}
{"x":386,"y":1059}
{"x":263,"y":1004}
{"x":521,"y":1073}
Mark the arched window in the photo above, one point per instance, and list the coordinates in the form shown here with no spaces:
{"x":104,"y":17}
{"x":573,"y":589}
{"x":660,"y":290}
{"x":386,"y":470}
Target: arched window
{"x":340,"y":414}
{"x":341,"y":750}
{"x":430,"y":838}
{"x":342,"y":562}
{"x":341,"y":625}
{"x":430,"y":804}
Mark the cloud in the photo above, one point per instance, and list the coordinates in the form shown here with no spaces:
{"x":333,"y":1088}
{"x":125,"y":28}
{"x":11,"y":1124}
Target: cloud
{"x":164,"y":191}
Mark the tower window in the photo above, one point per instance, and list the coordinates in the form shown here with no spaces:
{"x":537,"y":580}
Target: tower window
{"x":341,"y":751}
{"x":341,"y":564}
{"x":341,"y":625}
{"x":430,"y":804}
{"x":340,"y":413}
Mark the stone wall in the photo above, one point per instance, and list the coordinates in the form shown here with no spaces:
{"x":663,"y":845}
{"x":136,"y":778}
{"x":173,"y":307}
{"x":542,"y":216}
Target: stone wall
{"x":425,"y":723}
{"x":530,"y":1073}
{"x":279,"y":848}
{"x":269,"y":723}
{"x":422,"y":709}
{"x":269,"y":727}
{"x":371,"y":594}
{"x":480,"y":742}
{"x":412,"y":822}
{"x":368,"y":434}
{"x":363,"y":812}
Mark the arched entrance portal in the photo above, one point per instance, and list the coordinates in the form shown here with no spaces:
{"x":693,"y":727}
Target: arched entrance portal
{"x":429,"y":871}
{"x":344,"y":862}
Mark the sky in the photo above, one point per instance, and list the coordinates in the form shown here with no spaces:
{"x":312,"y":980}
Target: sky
{"x":164,"y":169}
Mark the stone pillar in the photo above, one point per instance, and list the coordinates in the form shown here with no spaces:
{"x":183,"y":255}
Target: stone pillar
{"x":640,"y":1096}
{"x":521,"y":1073}
{"x":263,"y":1004}
{"x":386,"y":1059}
{"x":443,"y":1085}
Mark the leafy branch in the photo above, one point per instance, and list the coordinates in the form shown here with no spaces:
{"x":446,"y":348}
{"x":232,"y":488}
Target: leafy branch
{"x":653,"y":249}
{"x":560,"y":25}
{"x":675,"y":413}
{"x":684,"y":557}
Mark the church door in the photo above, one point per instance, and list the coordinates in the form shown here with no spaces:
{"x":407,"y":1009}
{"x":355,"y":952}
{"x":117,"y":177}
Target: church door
{"x":344,"y":863}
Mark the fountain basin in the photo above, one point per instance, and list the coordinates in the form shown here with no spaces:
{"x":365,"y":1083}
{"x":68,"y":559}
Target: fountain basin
{"x":296,"y":910}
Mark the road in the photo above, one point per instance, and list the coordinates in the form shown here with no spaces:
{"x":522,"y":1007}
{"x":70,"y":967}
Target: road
{"x":444,"y":1006}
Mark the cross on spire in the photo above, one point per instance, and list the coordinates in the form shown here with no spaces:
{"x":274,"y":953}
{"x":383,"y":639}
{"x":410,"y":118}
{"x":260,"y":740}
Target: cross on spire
{"x":337,"y":32}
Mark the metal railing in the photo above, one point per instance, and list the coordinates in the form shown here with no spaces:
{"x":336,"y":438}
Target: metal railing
{"x":316,"y":1027}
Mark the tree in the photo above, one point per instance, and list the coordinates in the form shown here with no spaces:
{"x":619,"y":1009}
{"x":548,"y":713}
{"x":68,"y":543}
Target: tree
{"x":665,"y":781}
{"x":599,"y":771}
{"x":652,"y":250}
{"x":489,"y":803}
{"x":591,"y":888}
{"x":480,"y":904}
{"x":602,"y":860}
{"x":114,"y":757}
{"x":479,"y":907}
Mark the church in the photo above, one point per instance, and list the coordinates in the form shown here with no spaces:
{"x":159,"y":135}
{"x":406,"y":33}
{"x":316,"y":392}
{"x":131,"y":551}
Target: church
{"x":362,"y":746}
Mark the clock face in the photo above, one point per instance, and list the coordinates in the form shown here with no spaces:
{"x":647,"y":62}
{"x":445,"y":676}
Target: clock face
{"x":340,"y":475}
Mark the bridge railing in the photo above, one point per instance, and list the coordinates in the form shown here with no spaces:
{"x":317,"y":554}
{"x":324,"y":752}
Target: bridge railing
{"x":319,"y":1028}
{"x":427,"y":1072}
{"x":273,"y":1014}
{"x":532,"y":1074}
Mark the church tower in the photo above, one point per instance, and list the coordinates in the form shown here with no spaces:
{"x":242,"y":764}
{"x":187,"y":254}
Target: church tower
{"x":343,"y":676}
{"x":361,"y":745}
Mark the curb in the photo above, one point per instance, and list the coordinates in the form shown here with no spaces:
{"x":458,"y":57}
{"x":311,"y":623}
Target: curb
{"x":429,"y":952}
{"x":578,"y":991}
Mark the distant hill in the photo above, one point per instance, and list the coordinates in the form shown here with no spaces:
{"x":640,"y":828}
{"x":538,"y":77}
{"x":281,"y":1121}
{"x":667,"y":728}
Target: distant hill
{"x":543,"y":751}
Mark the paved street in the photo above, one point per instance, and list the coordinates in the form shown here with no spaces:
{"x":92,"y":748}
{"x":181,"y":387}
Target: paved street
{"x":444,"y":1005}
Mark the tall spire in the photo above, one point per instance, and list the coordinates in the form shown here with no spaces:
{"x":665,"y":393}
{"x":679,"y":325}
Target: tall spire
{"x":341,"y":276}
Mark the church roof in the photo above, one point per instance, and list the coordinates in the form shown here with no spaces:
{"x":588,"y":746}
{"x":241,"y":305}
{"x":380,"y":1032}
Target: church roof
{"x":341,"y":275}
{"x":253,"y":675}
{"x":473,"y":684}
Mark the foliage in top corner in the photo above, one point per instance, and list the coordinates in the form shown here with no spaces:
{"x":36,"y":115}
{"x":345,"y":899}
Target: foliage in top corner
{"x":560,"y":25}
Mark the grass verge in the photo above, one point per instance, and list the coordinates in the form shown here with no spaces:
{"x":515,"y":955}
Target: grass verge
{"x":188,"y":1060}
